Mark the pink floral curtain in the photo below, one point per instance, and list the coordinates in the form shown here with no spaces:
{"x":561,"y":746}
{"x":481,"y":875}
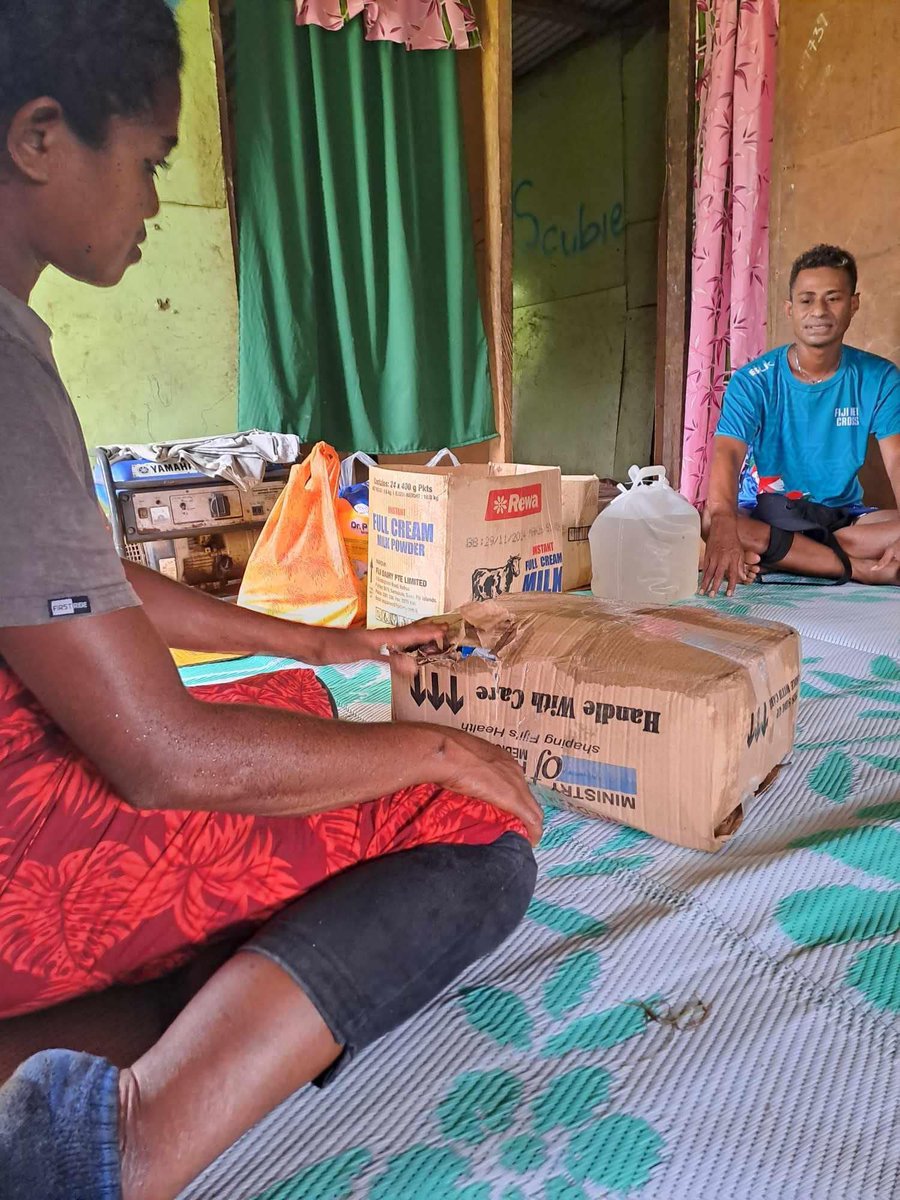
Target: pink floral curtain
{"x":736,"y":41}
{"x":418,"y":24}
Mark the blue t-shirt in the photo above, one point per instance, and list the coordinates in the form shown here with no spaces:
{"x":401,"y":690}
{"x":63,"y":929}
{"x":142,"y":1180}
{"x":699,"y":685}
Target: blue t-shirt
{"x":810,"y":439}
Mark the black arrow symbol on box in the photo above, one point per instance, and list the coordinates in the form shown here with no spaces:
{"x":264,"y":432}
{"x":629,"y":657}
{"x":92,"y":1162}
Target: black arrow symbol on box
{"x":454,"y":700}
{"x":435,"y":695}
{"x":417,"y":690}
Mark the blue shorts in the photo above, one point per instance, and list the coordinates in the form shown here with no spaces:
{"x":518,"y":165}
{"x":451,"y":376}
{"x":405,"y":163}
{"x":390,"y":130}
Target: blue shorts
{"x":854,"y":511}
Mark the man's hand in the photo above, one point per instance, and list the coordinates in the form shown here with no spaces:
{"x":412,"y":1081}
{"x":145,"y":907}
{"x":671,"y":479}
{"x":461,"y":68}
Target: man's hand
{"x":467,"y":764}
{"x":724,"y":558}
{"x":476,"y":768}
{"x":359,"y":645}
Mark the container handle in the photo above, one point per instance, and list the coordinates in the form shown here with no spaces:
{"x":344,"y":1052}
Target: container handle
{"x":639,"y":475}
{"x":348,"y":464}
{"x":440,"y":456}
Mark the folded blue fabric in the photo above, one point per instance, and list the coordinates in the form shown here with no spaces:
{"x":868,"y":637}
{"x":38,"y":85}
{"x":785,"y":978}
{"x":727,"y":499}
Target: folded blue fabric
{"x":59,"y":1129}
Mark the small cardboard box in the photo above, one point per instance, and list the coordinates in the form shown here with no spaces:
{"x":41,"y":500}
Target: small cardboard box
{"x":669,"y":720}
{"x":440,"y":537}
{"x":580,"y":509}
{"x":583,"y":499}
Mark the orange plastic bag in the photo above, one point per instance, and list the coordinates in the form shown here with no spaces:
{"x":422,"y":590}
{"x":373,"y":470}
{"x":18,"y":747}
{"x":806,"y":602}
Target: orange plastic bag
{"x":299,"y":568}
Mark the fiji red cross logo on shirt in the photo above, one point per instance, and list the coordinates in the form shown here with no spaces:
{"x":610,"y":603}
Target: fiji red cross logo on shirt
{"x":774,"y":485}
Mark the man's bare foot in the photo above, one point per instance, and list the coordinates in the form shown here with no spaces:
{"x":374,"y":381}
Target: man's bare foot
{"x":751,"y":566}
{"x":866,"y":570}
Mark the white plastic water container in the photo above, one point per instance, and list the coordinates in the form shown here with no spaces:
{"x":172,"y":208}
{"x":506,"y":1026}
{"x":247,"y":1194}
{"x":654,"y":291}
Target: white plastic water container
{"x":645,"y":544}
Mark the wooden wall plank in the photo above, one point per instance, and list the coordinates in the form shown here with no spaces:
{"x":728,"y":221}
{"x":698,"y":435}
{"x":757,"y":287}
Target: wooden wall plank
{"x":572,"y":425}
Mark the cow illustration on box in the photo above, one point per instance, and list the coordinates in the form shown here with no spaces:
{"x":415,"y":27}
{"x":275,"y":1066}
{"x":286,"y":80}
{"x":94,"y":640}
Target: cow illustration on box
{"x":490,"y":582}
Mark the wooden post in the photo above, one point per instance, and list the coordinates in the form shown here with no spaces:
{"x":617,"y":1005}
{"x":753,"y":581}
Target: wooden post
{"x":497,"y":34}
{"x":485,"y":78}
{"x":228,"y":145}
{"x":676,"y":229}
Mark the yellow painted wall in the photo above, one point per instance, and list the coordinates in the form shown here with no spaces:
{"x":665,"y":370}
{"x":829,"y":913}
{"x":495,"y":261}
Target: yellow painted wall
{"x":156,"y":357}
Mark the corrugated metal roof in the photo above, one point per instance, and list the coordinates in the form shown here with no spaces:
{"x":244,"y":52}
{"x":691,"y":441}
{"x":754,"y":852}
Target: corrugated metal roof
{"x":542,"y":28}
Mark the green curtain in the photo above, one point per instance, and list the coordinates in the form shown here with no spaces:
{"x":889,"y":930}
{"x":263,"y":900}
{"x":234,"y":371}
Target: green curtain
{"x":360,"y":318}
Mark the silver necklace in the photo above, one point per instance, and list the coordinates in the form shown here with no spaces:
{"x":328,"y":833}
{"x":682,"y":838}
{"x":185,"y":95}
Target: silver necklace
{"x":806,"y":375}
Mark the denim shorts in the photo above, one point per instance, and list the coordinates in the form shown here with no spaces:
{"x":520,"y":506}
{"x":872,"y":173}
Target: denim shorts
{"x":373,"y":945}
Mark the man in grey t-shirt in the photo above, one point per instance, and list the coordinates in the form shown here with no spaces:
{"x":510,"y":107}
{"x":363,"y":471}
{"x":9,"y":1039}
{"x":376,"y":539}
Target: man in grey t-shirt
{"x":56,"y":556}
{"x":121,"y":793}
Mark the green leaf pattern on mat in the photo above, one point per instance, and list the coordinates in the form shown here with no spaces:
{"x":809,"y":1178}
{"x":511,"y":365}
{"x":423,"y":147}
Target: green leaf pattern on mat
{"x":790,"y":596}
{"x":833,"y":777}
{"x":876,"y":972}
{"x":884,"y":762}
{"x":623,"y":839}
{"x":838,"y":914}
{"x":478,"y":1104}
{"x":884,"y":667}
{"x":422,"y":1171}
{"x":599,"y":1031}
{"x":602,"y":866}
{"x":882,"y":684}
{"x":570,"y":1099}
{"x":571,"y":981}
{"x":329,"y":1180}
{"x":523,"y":1153}
{"x":559,"y":835}
{"x":560,"y":1188}
{"x":570,"y":1113}
{"x":617,"y":1152}
{"x":568,"y":921}
{"x":872,"y":848}
{"x":881,"y":812}
{"x":607,"y":859}
{"x":499,"y":1014}
{"x":837,"y":773}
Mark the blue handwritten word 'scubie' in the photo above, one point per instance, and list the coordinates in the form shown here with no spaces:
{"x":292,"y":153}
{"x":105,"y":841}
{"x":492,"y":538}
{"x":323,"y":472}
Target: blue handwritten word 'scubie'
{"x":551,"y":240}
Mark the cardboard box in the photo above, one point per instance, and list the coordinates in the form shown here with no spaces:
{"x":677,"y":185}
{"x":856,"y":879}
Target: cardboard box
{"x":440,"y":537}
{"x":580,"y":509}
{"x":583,"y":499}
{"x":666,"y":719}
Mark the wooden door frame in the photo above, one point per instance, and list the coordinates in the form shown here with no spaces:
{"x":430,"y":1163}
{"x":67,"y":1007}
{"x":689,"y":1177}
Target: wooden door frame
{"x":675,"y":237}
{"x":485,"y":83}
{"x":497,"y":34}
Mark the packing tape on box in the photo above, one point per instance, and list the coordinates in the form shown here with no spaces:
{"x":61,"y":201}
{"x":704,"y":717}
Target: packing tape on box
{"x":738,"y":647}
{"x":735,"y":646}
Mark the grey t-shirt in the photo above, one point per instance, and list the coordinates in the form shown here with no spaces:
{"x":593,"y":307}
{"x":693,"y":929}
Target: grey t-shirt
{"x":57,"y":558}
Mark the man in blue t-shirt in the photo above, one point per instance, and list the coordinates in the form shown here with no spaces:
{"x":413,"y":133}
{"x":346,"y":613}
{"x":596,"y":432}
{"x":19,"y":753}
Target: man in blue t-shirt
{"x":784,"y":488}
